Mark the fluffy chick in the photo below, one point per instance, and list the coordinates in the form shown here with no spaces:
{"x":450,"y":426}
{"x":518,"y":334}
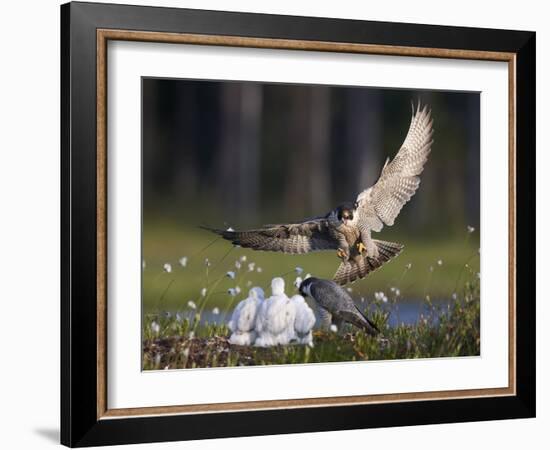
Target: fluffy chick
{"x":243,"y":318}
{"x":304,"y":320}
{"x":275,"y":319}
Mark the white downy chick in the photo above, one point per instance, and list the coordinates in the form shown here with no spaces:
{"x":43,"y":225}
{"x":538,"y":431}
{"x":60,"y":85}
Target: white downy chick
{"x":274,"y":323}
{"x":243,"y":318}
{"x":304,"y":320}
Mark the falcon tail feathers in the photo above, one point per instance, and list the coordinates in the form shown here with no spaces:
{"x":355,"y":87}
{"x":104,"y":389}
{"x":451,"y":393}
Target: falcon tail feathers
{"x":369,"y":326}
{"x":352,"y":270}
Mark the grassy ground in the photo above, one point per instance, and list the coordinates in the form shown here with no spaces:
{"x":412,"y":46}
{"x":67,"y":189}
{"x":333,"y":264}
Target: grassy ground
{"x":171,"y":342}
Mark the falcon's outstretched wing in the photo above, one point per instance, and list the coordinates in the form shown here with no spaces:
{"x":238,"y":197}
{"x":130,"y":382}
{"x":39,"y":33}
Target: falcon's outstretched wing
{"x":381,"y":203}
{"x":304,"y":237}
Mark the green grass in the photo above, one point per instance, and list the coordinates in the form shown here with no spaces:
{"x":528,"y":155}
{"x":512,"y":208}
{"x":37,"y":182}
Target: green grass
{"x":171,"y":342}
{"x":168,"y":242}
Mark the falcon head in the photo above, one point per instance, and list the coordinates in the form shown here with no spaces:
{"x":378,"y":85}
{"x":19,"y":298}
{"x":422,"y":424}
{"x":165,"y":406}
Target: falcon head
{"x":305,"y":286}
{"x":345,"y":212}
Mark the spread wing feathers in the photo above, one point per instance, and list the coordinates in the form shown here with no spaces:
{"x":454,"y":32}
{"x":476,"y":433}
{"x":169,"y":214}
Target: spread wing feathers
{"x":381,"y":203}
{"x":352,"y":270}
{"x":302,"y":237}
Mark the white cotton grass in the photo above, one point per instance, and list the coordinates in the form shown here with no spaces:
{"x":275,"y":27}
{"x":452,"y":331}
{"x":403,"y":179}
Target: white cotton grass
{"x":234,"y":291}
{"x":251,"y":266}
{"x":230,"y":274}
{"x":395,"y":291}
{"x":167,"y":267}
{"x":439,"y":262}
{"x":380,"y":296}
{"x":155,"y":327}
{"x":298,"y":282}
{"x":183,"y":261}
{"x":470,"y":229}
{"x":192,"y":304}
{"x":299,"y":270}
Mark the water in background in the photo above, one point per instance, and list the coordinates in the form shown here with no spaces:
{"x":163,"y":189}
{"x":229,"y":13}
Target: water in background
{"x":402,"y":313}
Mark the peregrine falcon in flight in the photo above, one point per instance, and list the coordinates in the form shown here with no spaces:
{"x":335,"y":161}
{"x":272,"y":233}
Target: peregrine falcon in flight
{"x":348,"y":227}
{"x":335,"y":305}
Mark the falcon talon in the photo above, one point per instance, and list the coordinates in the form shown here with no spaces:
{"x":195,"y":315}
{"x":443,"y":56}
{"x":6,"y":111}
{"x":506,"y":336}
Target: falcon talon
{"x":361,"y":247}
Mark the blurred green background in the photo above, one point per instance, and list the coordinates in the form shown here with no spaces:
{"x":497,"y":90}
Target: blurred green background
{"x":243,"y":154}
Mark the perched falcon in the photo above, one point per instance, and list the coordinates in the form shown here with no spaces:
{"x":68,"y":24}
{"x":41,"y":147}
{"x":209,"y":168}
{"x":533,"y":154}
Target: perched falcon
{"x":335,"y":305}
{"x":348,"y":227}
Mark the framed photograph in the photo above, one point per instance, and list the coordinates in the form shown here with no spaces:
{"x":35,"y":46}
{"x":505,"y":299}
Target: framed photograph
{"x":277,"y":224}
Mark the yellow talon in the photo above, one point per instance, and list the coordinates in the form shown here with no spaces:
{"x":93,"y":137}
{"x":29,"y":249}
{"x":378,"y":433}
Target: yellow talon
{"x":341,"y":253}
{"x":361,"y":247}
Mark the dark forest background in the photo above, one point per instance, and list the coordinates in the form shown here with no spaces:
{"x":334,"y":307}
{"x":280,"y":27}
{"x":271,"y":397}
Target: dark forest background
{"x":247,"y":153}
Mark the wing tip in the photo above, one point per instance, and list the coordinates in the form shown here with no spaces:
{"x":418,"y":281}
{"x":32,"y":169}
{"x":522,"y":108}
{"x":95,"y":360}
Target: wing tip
{"x":213,"y":230}
{"x":421,"y":110}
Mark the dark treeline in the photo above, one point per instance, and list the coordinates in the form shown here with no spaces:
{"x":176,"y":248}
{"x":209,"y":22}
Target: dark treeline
{"x":244,"y":153}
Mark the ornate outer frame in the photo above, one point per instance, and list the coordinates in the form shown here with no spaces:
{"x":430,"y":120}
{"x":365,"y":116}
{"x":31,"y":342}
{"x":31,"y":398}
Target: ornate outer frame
{"x":85,"y":417}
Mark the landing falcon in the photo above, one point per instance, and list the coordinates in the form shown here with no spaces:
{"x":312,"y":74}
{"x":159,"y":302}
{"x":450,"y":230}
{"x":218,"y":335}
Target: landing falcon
{"x":347,"y":228}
